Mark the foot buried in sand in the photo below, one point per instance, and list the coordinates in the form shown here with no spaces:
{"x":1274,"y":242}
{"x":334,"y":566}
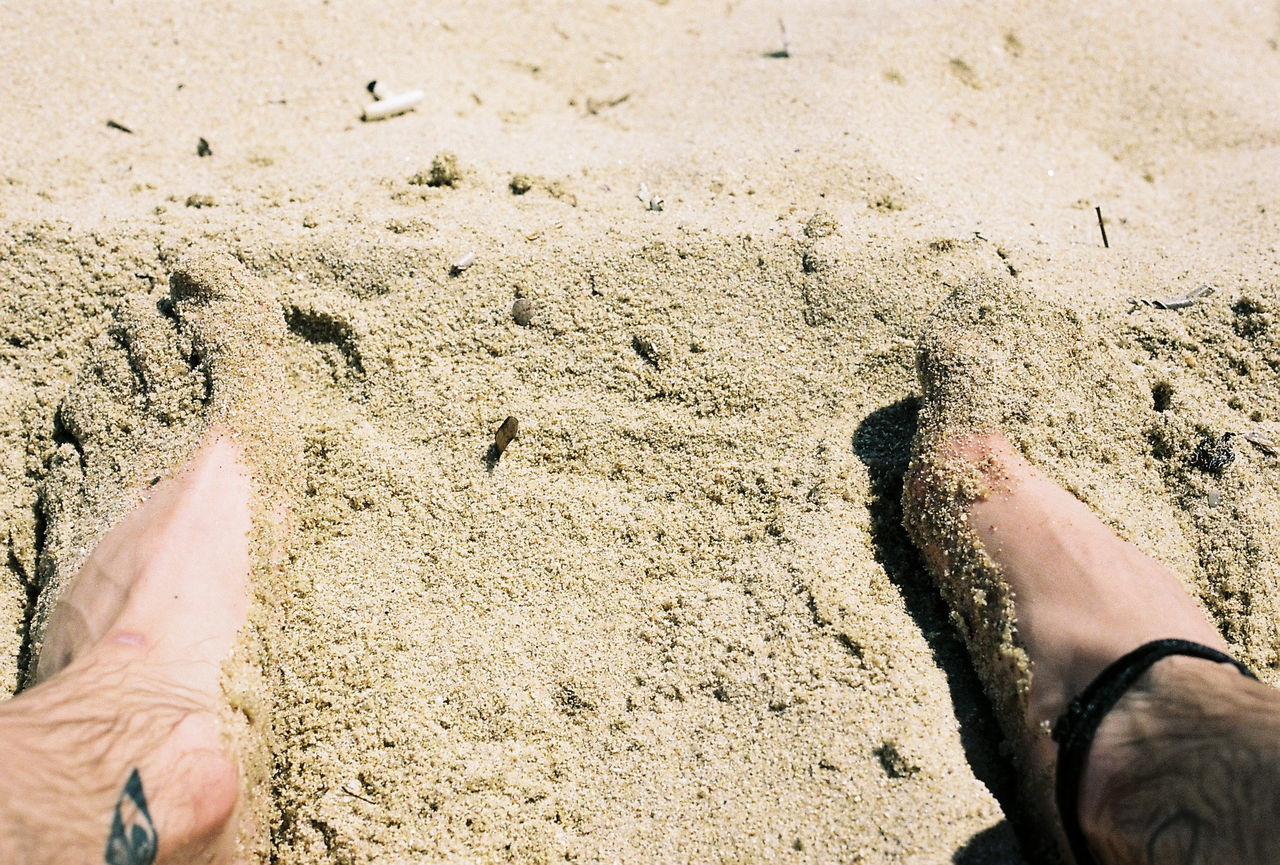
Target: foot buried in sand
{"x":1171,"y":755}
{"x":171,"y":491}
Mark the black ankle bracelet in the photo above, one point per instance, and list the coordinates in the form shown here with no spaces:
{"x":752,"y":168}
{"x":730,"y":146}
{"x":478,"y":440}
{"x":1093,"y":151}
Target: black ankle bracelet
{"x":1074,"y":731}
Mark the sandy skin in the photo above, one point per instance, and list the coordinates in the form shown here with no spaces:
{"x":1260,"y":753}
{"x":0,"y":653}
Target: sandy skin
{"x":140,"y":639}
{"x":1047,"y":596}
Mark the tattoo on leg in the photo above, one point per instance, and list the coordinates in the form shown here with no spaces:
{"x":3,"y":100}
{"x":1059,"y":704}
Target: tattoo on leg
{"x":133,"y":835}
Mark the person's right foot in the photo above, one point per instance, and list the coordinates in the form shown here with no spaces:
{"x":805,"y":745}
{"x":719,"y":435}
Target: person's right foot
{"x":1046,"y":596}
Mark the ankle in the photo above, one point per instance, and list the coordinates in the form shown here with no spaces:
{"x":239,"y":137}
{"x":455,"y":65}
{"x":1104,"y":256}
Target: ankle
{"x":1186,"y":765}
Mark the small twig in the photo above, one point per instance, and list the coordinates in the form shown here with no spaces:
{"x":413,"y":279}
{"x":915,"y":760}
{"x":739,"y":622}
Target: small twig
{"x":111,"y":124}
{"x":595,"y":106}
{"x":1188,"y":299}
{"x":1102,"y":227}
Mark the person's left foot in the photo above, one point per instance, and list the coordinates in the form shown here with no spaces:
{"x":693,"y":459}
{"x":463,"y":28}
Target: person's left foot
{"x":140,"y":693}
{"x":122,"y":752}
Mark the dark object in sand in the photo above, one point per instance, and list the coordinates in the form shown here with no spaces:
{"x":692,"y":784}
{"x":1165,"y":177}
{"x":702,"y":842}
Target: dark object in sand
{"x":522,"y":311}
{"x":202,"y":148}
{"x":1214,"y":455}
{"x":508,"y":431}
{"x":462,"y":264}
{"x":785,"y":51}
{"x":111,"y":124}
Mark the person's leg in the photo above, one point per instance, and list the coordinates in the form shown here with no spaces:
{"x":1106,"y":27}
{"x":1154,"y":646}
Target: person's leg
{"x":1186,"y":767}
{"x":125,"y":749}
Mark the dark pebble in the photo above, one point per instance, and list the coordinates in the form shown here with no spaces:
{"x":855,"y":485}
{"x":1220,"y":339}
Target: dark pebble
{"x":522,"y":311}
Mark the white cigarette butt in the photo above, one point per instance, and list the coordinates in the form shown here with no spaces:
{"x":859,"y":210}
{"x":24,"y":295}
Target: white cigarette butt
{"x":392,"y":105}
{"x":463,"y":263}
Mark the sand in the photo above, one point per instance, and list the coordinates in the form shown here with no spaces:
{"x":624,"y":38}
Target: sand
{"x":679,"y":618}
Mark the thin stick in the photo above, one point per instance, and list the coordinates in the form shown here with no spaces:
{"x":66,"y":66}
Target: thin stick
{"x":785,"y":50}
{"x":1102,"y":227}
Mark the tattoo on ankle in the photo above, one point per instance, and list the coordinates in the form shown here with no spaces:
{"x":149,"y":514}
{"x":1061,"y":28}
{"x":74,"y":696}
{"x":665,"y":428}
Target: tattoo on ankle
{"x":133,"y":835}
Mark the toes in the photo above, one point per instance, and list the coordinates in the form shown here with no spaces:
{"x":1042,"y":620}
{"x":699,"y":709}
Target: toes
{"x":104,"y":389}
{"x":207,"y":277}
{"x":223,"y":308}
{"x":157,"y":355}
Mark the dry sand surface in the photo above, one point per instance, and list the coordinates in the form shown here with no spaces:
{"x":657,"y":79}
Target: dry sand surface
{"x":679,"y":619}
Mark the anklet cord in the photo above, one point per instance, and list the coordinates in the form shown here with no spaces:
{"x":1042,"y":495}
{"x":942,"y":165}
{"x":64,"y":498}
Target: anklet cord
{"x":1075,"y":729}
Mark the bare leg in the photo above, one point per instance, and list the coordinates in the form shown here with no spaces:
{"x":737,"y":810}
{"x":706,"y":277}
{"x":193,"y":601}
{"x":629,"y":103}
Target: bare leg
{"x":1187,"y":766}
{"x":122,"y":752}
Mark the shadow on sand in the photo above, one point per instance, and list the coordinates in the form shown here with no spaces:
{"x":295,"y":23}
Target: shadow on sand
{"x":883,"y":443}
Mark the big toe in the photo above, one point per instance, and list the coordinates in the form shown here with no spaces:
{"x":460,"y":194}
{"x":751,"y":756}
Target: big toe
{"x":211,"y":275}
{"x":223,"y":307}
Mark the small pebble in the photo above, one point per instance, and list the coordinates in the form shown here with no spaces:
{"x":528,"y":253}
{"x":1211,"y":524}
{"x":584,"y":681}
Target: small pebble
{"x":202,"y":148}
{"x":650,"y":200}
{"x":821,"y":224}
{"x":444,"y":170}
{"x":522,"y":311}
{"x":510,"y":427}
{"x":654,"y":344}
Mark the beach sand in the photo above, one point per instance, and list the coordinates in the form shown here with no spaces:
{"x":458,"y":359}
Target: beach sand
{"x":679,"y":618}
